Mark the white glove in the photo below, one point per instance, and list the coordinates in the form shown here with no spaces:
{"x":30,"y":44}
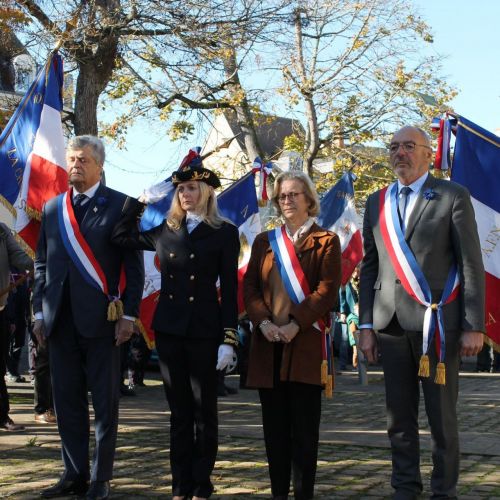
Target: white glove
{"x":155,"y":193}
{"x":226,"y":358}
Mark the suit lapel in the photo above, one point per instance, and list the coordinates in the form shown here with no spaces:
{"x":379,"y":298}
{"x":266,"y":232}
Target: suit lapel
{"x":96,"y":209}
{"x":420,"y":206}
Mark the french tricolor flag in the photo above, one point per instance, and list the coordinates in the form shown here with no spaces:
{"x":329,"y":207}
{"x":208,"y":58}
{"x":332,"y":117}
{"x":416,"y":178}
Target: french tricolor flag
{"x":338,"y":214}
{"x":32,"y":156}
{"x":476,"y":166}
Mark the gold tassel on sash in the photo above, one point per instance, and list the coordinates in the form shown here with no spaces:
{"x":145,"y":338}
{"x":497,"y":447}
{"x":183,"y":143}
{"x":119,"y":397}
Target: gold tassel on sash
{"x":115,"y":310}
{"x":329,"y":387}
{"x":440,"y":374}
{"x":424,"y":370}
{"x":324,"y":372}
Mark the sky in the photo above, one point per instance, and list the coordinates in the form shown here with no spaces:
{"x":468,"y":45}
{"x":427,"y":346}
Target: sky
{"x":467,"y":33}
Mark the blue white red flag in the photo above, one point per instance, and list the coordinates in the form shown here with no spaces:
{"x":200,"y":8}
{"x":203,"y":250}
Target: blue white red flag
{"x":153,"y":216}
{"x":238,"y":203}
{"x":32,"y":156}
{"x":443,"y":159}
{"x":338,"y":214}
{"x":263,"y":169}
{"x":475,"y":165}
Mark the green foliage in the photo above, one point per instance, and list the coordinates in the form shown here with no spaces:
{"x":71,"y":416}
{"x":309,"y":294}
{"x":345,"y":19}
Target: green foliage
{"x":180,"y":129}
{"x":293,"y":143}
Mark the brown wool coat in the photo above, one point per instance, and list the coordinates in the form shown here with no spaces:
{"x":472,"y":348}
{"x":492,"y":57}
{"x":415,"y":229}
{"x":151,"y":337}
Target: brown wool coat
{"x":319,"y":256}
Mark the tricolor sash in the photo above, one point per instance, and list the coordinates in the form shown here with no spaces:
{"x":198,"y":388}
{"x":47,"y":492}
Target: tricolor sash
{"x":297,"y":287}
{"x":414,"y":282}
{"x":82,"y":255}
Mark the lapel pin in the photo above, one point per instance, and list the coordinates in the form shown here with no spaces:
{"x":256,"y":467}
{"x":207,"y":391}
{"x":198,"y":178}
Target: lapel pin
{"x":95,"y":209}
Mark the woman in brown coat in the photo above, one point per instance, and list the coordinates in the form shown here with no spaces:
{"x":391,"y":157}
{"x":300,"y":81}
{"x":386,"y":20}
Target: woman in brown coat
{"x":286,"y":350}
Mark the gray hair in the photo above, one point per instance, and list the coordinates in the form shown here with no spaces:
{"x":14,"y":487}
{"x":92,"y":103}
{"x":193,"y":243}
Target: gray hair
{"x":96,"y":145}
{"x":309,"y":190}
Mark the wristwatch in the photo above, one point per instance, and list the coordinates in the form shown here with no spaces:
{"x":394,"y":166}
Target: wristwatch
{"x":264,"y":323}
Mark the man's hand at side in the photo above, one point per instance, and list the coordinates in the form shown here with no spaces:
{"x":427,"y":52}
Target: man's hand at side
{"x":368,"y":344}
{"x":124,"y":329}
{"x":471,"y":343}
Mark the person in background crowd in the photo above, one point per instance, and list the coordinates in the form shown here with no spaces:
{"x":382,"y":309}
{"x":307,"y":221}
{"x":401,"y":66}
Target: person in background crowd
{"x":138,"y":358}
{"x":84,"y":316}
{"x":421,"y":230}
{"x":487,"y":360}
{"x":286,"y":351}
{"x":125,"y":389}
{"x":349,"y":309}
{"x":11,"y":256}
{"x":18,"y":318}
{"x":195,"y":333}
{"x":244,"y":334}
{"x":42,"y":383}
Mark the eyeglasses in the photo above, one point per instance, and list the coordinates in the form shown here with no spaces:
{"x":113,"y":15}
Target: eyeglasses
{"x":408,"y":147}
{"x":291,"y":196}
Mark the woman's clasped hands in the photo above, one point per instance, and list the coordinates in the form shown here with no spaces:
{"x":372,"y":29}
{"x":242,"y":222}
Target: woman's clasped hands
{"x":285,"y":333}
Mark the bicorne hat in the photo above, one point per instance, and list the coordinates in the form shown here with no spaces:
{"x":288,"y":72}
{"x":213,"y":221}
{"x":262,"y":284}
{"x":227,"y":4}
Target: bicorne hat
{"x":191,"y":169}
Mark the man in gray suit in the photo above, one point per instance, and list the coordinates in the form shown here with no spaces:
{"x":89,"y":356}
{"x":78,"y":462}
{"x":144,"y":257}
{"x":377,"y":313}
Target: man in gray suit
{"x":418,"y":244}
{"x":77,"y":283}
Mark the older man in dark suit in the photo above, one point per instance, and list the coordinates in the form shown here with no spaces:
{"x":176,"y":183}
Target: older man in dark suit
{"x":422,"y":268}
{"x":77,"y":301}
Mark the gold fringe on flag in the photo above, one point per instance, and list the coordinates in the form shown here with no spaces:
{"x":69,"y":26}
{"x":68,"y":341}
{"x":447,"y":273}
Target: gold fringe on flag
{"x":33,"y":213}
{"x":149,"y":342}
{"x":424,"y":370}
{"x":8,"y":206}
{"x":440,"y":374}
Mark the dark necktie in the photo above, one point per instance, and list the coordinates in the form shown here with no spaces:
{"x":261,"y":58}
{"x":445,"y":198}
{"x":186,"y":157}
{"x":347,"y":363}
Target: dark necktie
{"x":402,"y":204}
{"x":80,"y":207}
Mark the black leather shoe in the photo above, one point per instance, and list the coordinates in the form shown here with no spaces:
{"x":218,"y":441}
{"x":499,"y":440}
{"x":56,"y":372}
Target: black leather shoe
{"x":127,"y":390}
{"x":10,"y":426}
{"x":98,"y":490}
{"x":65,"y":487}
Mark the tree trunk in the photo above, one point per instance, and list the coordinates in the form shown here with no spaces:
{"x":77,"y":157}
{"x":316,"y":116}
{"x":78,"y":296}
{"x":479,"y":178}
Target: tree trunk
{"x":95,"y":71}
{"x":312,"y":137}
{"x":244,"y":116}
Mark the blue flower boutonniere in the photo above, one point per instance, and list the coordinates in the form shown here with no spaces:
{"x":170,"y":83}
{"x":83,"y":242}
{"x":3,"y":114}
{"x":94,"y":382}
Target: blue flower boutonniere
{"x":102,"y":201}
{"x":429,"y":194}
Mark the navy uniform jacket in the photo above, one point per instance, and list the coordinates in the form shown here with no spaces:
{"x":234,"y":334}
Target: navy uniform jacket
{"x":55,"y":272}
{"x":191,"y":265}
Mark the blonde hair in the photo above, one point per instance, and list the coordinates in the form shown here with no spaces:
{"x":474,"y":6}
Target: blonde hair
{"x":309,"y":190}
{"x":207,"y":207}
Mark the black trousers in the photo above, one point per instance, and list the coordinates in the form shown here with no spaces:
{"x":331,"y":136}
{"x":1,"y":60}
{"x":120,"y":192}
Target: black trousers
{"x":291,"y":414}
{"x":400,"y":355}
{"x":4,"y":346}
{"x":80,"y":364}
{"x":190,"y":381}
{"x":16,"y":344}
{"x":40,"y":369}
